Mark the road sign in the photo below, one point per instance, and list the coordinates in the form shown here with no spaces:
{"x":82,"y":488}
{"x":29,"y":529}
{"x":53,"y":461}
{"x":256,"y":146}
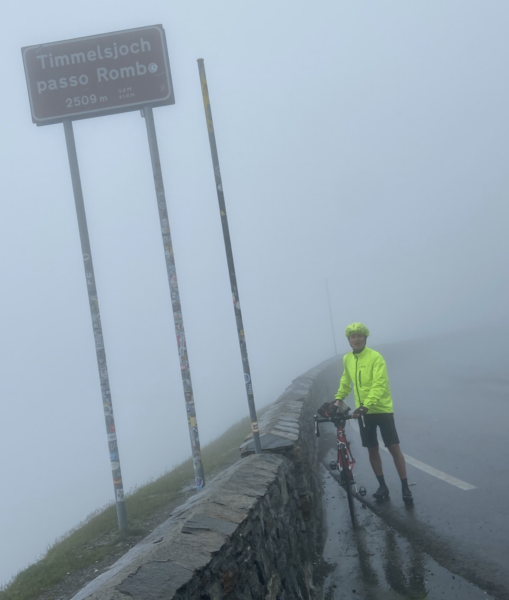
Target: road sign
{"x":98,"y":75}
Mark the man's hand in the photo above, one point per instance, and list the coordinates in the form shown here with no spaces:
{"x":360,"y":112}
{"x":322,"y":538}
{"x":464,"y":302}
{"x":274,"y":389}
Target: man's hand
{"x":362,"y":410}
{"x":327,"y":410}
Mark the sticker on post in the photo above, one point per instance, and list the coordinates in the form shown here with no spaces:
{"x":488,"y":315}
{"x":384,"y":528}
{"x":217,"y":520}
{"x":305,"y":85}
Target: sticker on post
{"x":254,"y":426}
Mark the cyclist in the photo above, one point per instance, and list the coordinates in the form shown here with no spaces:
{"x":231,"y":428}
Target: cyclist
{"x":365,"y":370}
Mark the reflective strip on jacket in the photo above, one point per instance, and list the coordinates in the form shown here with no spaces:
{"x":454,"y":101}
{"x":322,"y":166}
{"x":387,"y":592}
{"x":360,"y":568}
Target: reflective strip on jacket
{"x":367,"y":373}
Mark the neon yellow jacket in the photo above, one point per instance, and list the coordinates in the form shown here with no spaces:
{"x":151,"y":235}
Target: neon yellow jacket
{"x":367,"y":373}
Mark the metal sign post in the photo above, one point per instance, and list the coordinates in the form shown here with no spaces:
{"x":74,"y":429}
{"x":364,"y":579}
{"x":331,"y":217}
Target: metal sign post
{"x":175,"y":297}
{"x":229,"y":257}
{"x":96,"y":326}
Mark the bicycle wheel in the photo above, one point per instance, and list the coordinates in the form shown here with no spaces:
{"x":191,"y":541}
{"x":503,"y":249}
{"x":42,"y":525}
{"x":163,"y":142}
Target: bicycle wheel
{"x":348,"y":486}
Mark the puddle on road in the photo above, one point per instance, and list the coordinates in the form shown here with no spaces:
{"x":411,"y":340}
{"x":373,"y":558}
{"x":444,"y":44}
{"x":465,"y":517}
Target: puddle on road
{"x":376,"y":563}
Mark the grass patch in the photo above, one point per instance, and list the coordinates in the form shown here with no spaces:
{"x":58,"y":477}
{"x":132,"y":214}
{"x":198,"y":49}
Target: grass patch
{"x":97,"y":539}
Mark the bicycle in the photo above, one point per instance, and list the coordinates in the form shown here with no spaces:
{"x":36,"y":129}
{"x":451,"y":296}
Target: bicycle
{"x":345,"y":460}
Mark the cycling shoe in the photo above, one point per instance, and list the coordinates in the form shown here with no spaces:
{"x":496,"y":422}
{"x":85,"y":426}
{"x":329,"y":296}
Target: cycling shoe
{"x":382,"y":492}
{"x":407,"y":496}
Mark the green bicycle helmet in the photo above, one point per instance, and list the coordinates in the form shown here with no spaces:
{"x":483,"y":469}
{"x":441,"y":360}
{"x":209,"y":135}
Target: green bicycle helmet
{"x":356,"y":328}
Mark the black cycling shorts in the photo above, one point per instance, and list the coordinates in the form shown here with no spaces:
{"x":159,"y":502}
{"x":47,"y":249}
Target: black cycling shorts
{"x":368,"y":424}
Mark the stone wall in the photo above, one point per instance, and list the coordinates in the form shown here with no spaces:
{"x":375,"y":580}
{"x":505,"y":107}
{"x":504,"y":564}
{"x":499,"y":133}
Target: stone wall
{"x":254,"y":532}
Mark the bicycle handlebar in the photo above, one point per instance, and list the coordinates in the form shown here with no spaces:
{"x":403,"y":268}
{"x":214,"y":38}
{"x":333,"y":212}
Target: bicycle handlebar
{"x":337,"y":419}
{"x":332,"y":419}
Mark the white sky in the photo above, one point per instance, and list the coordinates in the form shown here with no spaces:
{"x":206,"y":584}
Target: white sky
{"x":364,"y":142}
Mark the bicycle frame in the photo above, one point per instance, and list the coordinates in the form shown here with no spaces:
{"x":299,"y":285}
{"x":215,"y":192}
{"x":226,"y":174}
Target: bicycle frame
{"x":345,"y":459}
{"x":346,"y":470}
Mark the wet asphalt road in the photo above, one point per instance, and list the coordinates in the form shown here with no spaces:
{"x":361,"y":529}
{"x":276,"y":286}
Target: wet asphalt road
{"x":375,"y":562}
{"x":452,"y":413}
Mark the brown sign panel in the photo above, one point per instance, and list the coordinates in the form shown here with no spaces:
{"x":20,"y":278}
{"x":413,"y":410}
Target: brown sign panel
{"x":98,"y":75}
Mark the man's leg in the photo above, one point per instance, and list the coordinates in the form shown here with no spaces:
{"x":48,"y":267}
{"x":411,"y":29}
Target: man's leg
{"x":376,"y":464}
{"x":376,"y":460}
{"x":368,"y":427}
{"x":399,"y":461}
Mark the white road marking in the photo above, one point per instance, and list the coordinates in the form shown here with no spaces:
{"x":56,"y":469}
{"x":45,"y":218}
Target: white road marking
{"x":462,"y":485}
{"x":436,"y":473}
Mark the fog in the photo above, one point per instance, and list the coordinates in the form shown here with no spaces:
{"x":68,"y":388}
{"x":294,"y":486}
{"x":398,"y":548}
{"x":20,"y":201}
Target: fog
{"x":363,"y":143}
